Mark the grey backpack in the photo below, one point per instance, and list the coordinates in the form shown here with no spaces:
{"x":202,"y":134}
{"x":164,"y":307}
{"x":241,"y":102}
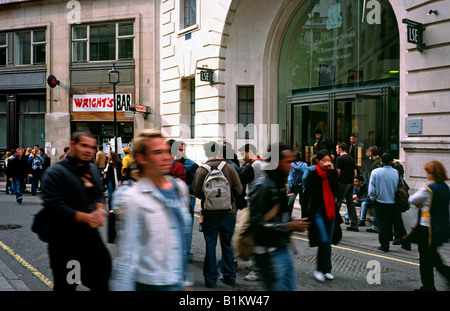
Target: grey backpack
{"x":216,"y":189}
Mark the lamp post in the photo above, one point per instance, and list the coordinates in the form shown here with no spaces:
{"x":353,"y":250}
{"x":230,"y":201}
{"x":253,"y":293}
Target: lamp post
{"x":114,"y":78}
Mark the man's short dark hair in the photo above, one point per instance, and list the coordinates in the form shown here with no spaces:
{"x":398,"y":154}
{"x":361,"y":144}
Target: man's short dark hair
{"x":386,"y":158}
{"x":359,"y":177}
{"x":66,"y":149}
{"x":317,"y":131}
{"x":343,"y":146}
{"x":42,"y":150}
{"x":76,"y":137}
{"x":100,"y":148}
{"x":211,"y":149}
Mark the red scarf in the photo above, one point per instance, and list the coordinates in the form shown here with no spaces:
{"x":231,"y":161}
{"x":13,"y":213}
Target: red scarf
{"x":328,"y":196}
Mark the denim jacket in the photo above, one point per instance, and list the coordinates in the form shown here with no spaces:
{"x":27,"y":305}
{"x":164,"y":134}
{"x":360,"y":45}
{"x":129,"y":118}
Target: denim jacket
{"x":149,"y":249}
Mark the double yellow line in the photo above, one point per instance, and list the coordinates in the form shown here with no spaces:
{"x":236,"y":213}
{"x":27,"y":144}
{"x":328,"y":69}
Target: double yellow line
{"x":24,"y":263}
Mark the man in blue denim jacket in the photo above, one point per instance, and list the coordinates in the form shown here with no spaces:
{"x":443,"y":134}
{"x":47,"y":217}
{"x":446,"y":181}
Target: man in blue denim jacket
{"x":152,"y":252}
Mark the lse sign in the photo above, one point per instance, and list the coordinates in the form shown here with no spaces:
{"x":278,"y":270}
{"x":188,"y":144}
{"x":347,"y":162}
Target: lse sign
{"x":414,"y":33}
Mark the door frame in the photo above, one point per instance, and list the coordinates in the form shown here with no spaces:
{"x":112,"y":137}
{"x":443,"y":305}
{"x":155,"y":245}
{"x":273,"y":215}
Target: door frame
{"x":382,"y":91}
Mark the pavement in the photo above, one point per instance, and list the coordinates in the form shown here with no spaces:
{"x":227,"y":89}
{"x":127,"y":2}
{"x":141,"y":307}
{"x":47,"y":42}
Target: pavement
{"x":360,"y":241}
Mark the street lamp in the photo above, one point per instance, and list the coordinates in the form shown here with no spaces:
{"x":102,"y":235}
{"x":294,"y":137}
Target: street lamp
{"x":114,"y":78}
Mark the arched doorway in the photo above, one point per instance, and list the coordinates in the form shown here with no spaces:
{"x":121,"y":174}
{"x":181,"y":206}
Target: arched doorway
{"x":339,"y":71}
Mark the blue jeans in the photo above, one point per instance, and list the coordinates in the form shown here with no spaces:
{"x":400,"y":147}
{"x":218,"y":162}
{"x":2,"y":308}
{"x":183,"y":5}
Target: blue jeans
{"x":214,"y":226}
{"x":17,"y":187}
{"x":325,"y":230}
{"x":35,"y":180}
{"x":189,"y":241}
{"x":277,"y":270}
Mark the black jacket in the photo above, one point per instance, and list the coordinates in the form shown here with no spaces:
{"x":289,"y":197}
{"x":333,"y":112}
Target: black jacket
{"x":17,"y":168}
{"x":64,"y":193}
{"x":313,"y":203}
{"x":264,"y":194}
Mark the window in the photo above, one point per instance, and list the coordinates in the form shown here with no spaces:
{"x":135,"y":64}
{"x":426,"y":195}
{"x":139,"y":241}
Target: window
{"x":31,"y":119}
{"x":112,"y":41}
{"x":29,"y":47}
{"x":3,"y":49}
{"x":3,"y":122}
{"x":246,"y":111}
{"x":192,"y":107}
{"x":190,"y":13}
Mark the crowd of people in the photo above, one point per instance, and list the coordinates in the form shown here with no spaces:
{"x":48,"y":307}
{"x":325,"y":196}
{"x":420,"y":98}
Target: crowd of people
{"x":23,"y":167}
{"x":151,"y":198}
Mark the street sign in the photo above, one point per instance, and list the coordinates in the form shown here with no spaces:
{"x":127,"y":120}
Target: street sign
{"x":207,"y":75}
{"x":414,"y":33}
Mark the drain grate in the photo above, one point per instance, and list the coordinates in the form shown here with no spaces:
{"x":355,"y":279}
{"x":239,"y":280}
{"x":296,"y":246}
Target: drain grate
{"x":9,"y":227}
{"x":345,"y":265}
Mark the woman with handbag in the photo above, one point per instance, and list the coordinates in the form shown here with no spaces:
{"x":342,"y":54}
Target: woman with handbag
{"x":113,"y":173}
{"x":433,"y":228}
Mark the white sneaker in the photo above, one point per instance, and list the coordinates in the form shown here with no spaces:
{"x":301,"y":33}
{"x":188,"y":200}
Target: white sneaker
{"x":329,"y":276}
{"x":319,"y":276}
{"x":253,"y":276}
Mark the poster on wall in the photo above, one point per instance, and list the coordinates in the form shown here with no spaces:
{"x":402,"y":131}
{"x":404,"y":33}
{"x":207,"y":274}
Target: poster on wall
{"x":101,"y":102}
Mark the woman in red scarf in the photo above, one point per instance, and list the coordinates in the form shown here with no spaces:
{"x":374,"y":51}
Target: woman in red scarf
{"x":319,"y":204}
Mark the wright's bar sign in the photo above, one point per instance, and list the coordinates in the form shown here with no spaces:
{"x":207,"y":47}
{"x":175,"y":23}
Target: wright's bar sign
{"x":101,"y":102}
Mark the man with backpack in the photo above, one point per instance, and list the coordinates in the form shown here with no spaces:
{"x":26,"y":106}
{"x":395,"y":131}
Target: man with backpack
{"x":217,"y":184}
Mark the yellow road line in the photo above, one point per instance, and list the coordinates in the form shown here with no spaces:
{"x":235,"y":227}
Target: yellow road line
{"x":365,"y":253}
{"x":24,"y":263}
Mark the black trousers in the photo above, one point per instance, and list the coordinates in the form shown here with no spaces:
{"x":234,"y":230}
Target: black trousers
{"x":429,"y":258}
{"x":94,"y":264}
{"x":386,"y":216}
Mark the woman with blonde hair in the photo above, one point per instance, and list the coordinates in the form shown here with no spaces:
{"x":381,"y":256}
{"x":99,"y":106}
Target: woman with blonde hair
{"x":433,"y":227}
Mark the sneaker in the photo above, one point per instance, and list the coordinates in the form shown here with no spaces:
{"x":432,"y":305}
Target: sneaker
{"x":319,"y":276}
{"x":253,"y":276}
{"x":329,"y":277}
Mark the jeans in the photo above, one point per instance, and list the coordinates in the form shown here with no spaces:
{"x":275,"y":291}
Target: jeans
{"x":214,"y":226}
{"x":364,"y":207}
{"x":17,"y":187}
{"x":346,"y":191}
{"x":325,"y":230}
{"x":35,"y":180}
{"x":189,"y":241}
{"x":277,"y":270}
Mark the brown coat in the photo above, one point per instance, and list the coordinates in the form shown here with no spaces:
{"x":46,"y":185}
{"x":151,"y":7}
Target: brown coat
{"x":100,"y":159}
{"x":230,"y":174}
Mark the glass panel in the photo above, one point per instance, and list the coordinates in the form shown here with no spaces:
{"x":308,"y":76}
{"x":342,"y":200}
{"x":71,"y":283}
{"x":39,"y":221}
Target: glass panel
{"x":305,"y":119}
{"x":102,"y":42}
{"x":39,"y":54}
{"x":126,"y":47}
{"x":79,"y":33}
{"x":31,"y":130}
{"x":3,"y":130}
{"x":2,"y":56}
{"x":359,"y":126}
{"x":38,"y":36}
{"x":22,"y":48}
{"x":3,"y":39}
{"x":126,"y":29}
{"x":332,"y":44}
{"x":79,"y":51}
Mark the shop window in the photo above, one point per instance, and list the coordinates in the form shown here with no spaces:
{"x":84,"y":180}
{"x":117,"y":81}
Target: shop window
{"x":3,"y":49}
{"x":246,"y":112}
{"x":29,"y":47}
{"x":99,"y":42}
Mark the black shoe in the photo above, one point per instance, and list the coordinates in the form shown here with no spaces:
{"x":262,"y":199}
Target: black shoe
{"x":406,"y":246}
{"x":361,"y":223}
{"x":354,"y":229}
{"x":397,"y":242}
{"x":384,"y":249}
{"x":371,"y":230}
{"x":347,"y":222}
{"x":210,"y":284}
{"x":19,"y":201}
{"x":425,"y":289}
{"x":228,"y":281}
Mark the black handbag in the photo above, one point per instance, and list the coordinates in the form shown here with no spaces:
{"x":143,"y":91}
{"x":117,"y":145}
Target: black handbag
{"x":41,"y":225}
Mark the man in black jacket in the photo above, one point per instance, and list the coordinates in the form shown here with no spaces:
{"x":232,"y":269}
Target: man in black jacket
{"x":271,"y":222}
{"x":16,"y":172}
{"x":73,"y":196}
